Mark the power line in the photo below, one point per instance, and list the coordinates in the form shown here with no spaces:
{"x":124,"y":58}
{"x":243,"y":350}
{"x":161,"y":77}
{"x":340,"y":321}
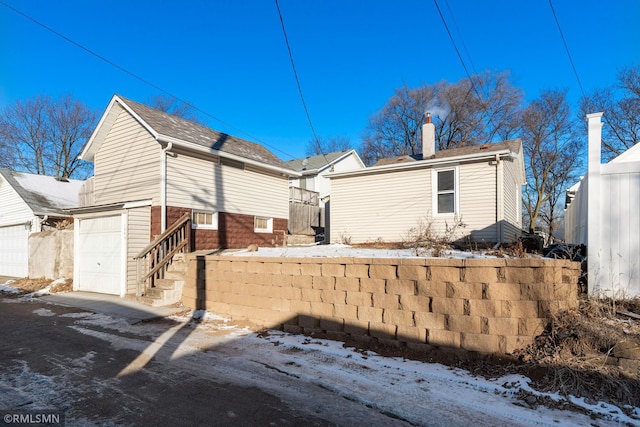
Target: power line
{"x":566,"y":48}
{"x":136,"y":76}
{"x":295,"y":74}
{"x":464,"y":46}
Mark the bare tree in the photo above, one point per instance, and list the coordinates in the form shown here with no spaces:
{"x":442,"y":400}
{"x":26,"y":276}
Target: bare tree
{"x":621,"y":106}
{"x":328,"y":145}
{"x":44,"y":136}
{"x":551,"y":147}
{"x":475,"y":110}
{"x":175,"y":107}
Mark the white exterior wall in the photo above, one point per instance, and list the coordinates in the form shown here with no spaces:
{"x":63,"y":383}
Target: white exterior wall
{"x":512,"y":201}
{"x":385,"y":206}
{"x":127,"y":166}
{"x":138,"y":237}
{"x":203,"y":184}
{"x":382,"y":206}
{"x":478,"y":201}
{"x":323,"y":184}
{"x":14,"y":210}
{"x":575,"y":216}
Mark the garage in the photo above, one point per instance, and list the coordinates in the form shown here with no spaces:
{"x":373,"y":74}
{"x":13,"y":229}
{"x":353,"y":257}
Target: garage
{"x":14,"y":251}
{"x":100,"y":255}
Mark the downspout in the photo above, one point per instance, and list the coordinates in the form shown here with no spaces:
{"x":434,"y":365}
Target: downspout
{"x":163,"y":187}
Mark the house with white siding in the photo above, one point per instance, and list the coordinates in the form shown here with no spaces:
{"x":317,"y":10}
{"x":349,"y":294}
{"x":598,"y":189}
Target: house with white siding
{"x":29,"y":204}
{"x":153,"y":170}
{"x":602,"y":213}
{"x":468,"y":193}
{"x":314,"y":169}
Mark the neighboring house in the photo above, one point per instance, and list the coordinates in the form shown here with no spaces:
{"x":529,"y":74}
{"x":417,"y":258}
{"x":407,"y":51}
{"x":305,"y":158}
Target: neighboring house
{"x":478,"y":186}
{"x":150,"y":170}
{"x":602,"y":213}
{"x":29,"y":203}
{"x":314,"y":170}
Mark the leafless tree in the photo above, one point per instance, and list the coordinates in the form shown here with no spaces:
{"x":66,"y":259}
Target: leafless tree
{"x":44,"y":136}
{"x":475,"y":110}
{"x":328,"y":145}
{"x":620,"y":104}
{"x":551,"y":147}
{"x":175,"y":107}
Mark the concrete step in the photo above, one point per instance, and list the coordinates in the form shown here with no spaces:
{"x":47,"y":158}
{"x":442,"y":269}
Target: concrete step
{"x":300,"y":240}
{"x":151,"y":301}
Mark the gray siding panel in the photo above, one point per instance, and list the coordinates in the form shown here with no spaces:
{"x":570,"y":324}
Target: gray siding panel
{"x":127,"y":166}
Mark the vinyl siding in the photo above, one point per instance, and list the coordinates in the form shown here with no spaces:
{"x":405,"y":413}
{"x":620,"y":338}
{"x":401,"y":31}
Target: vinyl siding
{"x":386,"y":206}
{"x":383,"y":206}
{"x":14,"y":209}
{"x":200,"y":183}
{"x":127,"y":166}
{"x":512,"y":201}
{"x":478,"y":200}
{"x":138,"y":237}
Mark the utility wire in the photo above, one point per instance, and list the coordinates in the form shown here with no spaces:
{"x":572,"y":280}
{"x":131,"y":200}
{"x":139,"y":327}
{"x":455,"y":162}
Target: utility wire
{"x":295,"y":74}
{"x":464,"y":46}
{"x":566,"y":48}
{"x":137,"y":77}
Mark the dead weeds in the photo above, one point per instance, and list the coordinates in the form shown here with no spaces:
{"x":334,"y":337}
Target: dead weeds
{"x":32,"y":285}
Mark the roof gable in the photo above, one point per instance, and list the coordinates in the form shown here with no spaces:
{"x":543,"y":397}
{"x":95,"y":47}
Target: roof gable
{"x":631,"y":155}
{"x":320,"y":161}
{"x":45,"y":195}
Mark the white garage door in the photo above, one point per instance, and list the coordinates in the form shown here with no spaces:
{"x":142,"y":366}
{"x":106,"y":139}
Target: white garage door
{"x":100,"y":255}
{"x":14,"y":251}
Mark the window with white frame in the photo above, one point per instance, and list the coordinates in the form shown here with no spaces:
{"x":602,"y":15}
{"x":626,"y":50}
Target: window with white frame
{"x":204,"y":219}
{"x":446,"y":191}
{"x":262,"y":224}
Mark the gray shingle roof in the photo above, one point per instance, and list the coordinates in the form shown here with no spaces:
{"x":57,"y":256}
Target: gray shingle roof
{"x":315,"y":162}
{"x":45,"y":195}
{"x":511,"y":144}
{"x":185,"y":130}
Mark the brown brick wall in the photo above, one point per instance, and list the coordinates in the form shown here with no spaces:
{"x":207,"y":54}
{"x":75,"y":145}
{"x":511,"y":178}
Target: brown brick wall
{"x":234,"y":230}
{"x":489,"y":306}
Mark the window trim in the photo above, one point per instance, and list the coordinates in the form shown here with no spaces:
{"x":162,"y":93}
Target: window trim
{"x":214,"y":220}
{"x":268,"y":229}
{"x":456,"y":191}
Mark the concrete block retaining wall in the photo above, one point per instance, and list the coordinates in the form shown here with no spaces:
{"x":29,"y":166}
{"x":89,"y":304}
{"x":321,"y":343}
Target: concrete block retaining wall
{"x":484,"y":305}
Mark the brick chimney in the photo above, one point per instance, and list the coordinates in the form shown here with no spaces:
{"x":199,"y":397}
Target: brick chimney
{"x":428,"y":138}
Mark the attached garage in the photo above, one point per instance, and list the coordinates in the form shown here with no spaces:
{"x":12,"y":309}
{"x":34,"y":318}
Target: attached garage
{"x":107,"y":240}
{"x":14,"y":250}
{"x":100,"y":255}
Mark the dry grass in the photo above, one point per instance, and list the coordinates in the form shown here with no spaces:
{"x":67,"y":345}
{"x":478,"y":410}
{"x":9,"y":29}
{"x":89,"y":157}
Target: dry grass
{"x":32,"y":285}
{"x":581,"y":353}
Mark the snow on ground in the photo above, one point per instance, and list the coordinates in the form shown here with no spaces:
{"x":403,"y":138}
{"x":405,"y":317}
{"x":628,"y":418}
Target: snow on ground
{"x":289,"y":366}
{"x":410,"y":390}
{"x":340,"y":250}
{"x":7,"y":288}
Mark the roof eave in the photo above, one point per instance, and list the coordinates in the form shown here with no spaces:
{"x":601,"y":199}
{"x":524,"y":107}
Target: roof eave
{"x":421,"y":163}
{"x":191,"y":146}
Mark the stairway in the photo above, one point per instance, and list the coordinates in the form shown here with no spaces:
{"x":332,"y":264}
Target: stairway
{"x":168,"y":290}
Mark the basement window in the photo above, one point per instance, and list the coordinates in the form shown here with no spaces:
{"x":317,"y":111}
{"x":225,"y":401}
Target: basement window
{"x":262,"y":224}
{"x":204,"y":219}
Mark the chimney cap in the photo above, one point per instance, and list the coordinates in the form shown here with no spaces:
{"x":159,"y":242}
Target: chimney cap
{"x":427,"y":118}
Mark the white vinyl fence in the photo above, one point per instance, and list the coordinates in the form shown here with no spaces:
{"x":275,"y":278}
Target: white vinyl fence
{"x":604,"y":214}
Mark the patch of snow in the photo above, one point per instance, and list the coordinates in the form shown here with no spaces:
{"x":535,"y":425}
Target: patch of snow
{"x":59,"y":194}
{"x":9,"y":289}
{"x":44,"y":312}
{"x":340,"y":250}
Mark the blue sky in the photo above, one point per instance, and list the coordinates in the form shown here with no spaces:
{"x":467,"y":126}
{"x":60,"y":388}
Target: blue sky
{"x":229,"y":58}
